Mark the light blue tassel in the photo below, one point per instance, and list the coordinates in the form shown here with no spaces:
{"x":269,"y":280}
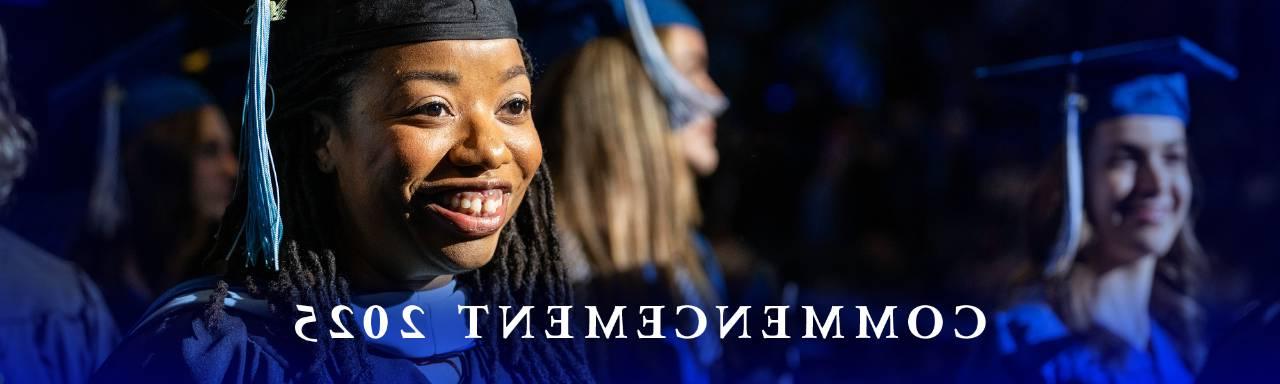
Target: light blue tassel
{"x":685,"y":102}
{"x":263,"y":226}
{"x":107,"y":197}
{"x":1070,"y":228}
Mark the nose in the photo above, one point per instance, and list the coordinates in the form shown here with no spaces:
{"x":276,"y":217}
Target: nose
{"x":229,"y":164}
{"x":1151,"y":179}
{"x":712,"y":88}
{"x":485,"y":144}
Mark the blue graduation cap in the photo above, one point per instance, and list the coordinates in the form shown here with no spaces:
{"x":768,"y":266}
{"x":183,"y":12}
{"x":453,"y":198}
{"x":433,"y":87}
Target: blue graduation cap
{"x":1146,"y":77}
{"x":553,"y":28}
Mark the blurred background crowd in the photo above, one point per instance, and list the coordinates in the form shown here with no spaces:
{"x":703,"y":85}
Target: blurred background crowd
{"x":861,"y":161}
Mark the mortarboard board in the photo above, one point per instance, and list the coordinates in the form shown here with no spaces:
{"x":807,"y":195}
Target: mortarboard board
{"x":305,"y":30}
{"x":1146,"y":77}
{"x":148,"y":99}
{"x":556,"y":27}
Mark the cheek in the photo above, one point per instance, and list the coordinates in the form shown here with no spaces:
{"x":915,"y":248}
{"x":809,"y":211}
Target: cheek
{"x":371,"y":165}
{"x":206,"y":174}
{"x":694,"y":135}
{"x":1103,"y":189}
{"x":1117,"y":184}
{"x":409,"y":155}
{"x":417,"y":149}
{"x":526,"y":147}
{"x":1182,"y":193}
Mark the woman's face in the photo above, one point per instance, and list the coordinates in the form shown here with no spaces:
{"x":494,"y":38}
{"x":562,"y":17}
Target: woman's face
{"x":435,"y":152}
{"x":687,"y":49}
{"x":1139,"y":185}
{"x":215,"y":165}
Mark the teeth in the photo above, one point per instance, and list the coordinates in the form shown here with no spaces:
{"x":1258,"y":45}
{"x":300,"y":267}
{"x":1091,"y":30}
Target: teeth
{"x":475,"y":204}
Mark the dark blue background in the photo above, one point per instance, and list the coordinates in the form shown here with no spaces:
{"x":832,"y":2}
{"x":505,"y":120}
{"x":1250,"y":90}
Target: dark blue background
{"x":860,"y":156}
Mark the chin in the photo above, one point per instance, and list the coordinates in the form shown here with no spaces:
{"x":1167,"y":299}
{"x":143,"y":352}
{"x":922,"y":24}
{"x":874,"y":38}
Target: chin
{"x":1157,"y":241}
{"x":213,"y":213}
{"x":705,"y":164}
{"x":470,"y":255}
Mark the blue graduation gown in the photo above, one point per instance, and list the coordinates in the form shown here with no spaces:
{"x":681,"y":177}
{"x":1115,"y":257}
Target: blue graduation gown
{"x":1030,"y":344}
{"x":670,"y":359}
{"x":54,"y":326}
{"x":174,"y":344}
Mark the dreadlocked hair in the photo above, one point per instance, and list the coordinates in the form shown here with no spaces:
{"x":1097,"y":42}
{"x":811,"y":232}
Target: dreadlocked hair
{"x":526,"y":268}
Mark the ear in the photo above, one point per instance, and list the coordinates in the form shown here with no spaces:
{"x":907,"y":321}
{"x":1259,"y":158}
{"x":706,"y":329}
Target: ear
{"x":323,"y":127}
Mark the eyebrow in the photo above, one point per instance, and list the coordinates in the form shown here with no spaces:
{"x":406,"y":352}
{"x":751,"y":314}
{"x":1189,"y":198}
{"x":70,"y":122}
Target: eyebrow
{"x":453,"y":78}
{"x":1138,"y":149}
{"x":445,"y":77}
{"x":514,"y":72}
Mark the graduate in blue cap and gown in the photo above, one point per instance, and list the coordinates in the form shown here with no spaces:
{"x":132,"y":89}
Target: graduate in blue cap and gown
{"x":166,"y":169}
{"x":1113,"y":217}
{"x":629,"y":120}
{"x":389,"y":165}
{"x":54,"y":326}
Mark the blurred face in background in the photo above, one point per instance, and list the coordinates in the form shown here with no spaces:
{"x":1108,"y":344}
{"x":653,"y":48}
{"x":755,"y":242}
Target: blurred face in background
{"x":1138,"y":185}
{"x":687,"y":49}
{"x":214,"y":164}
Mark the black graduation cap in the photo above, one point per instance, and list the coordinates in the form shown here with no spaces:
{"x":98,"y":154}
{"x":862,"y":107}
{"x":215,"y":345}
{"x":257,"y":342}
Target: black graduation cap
{"x":308,"y":28}
{"x":1146,"y":77}
{"x":313,"y":28}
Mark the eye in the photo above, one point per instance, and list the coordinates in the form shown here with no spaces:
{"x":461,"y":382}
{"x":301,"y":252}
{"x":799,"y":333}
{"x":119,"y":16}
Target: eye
{"x":1121,"y":159}
{"x":433,"y":109}
{"x":516,"y":107}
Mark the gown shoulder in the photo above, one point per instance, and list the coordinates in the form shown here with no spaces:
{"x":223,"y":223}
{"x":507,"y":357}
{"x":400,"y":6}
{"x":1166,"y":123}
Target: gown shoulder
{"x":55,"y":327}
{"x":1033,"y":345}
{"x":177,"y":342}
{"x":183,"y":346}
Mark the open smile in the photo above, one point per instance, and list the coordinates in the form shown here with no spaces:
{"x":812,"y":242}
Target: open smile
{"x":1148,"y":213}
{"x":470,"y":208}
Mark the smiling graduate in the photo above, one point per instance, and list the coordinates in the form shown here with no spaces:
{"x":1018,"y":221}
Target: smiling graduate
{"x":393,"y":162}
{"x":1113,"y":220}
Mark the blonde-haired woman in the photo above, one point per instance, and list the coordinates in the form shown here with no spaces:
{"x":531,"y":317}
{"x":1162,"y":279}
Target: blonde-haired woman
{"x":624,"y":142}
{"x":627,"y":195}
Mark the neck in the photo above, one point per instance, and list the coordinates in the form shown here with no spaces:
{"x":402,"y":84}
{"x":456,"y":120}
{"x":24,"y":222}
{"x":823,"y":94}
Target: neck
{"x":186,"y":259}
{"x":1121,"y":300}
{"x":366,"y":277}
